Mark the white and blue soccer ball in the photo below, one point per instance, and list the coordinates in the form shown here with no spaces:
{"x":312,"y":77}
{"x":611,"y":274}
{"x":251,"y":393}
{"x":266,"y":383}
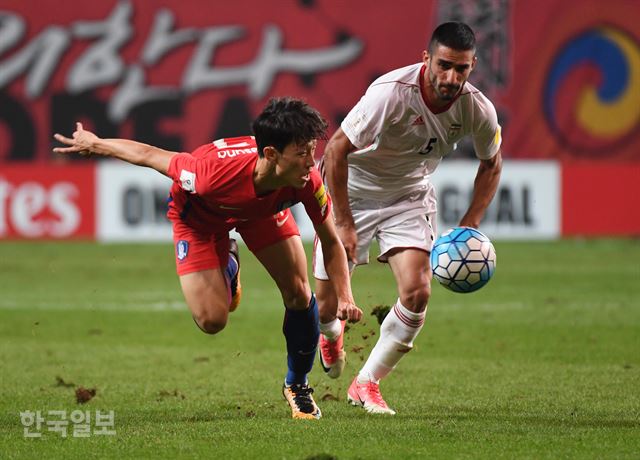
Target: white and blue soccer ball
{"x":463,"y":259}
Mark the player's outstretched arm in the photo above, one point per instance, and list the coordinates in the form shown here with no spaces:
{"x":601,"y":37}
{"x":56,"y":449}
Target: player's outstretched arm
{"x":484,"y":188}
{"x":86,"y":143}
{"x":335,"y":261}
{"x":337,"y":175}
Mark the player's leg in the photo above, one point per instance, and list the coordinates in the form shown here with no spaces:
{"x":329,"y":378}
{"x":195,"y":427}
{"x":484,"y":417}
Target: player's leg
{"x":332,"y":354}
{"x":404,"y":244}
{"x":206,"y":273}
{"x":280,"y":251}
{"x":286,"y":263}
{"x":404,"y":321}
{"x":206,"y":295}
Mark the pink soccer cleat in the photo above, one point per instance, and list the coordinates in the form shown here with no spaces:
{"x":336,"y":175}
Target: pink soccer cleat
{"x":332,"y":354}
{"x":368,"y":395}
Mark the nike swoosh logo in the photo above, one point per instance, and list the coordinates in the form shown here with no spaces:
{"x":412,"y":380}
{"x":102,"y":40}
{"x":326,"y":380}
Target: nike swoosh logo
{"x":221,"y":206}
{"x":301,"y":352}
{"x":280,"y":223}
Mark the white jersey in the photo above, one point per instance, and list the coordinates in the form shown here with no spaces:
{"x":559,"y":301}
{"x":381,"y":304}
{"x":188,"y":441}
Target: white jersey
{"x":401,"y":140}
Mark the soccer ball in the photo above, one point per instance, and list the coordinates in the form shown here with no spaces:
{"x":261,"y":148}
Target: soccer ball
{"x":463,"y":259}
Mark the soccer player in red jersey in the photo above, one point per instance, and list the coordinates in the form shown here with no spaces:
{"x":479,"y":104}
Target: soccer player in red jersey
{"x":248,"y":184}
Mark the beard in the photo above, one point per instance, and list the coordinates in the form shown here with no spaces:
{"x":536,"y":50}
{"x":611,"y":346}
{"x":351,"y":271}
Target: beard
{"x":452,"y":90}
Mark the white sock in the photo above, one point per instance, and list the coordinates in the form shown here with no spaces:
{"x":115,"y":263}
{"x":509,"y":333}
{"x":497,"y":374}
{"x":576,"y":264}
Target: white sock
{"x":397,"y":333}
{"x":331,"y":330}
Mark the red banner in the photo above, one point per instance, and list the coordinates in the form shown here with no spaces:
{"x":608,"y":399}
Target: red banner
{"x":564,"y":75}
{"x":39,"y":201}
{"x":575,"y":91}
{"x":600,"y":199}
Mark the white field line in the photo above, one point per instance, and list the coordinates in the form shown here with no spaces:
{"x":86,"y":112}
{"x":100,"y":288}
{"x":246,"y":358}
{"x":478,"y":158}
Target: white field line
{"x":154,"y":304}
{"x":7,"y":304}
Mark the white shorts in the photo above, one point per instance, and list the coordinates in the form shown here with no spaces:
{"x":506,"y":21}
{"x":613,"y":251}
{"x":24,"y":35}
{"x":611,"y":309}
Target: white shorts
{"x":407,"y":223}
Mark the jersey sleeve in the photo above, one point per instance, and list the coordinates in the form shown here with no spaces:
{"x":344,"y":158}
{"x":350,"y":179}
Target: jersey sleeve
{"x":487,"y":133}
{"x":370,"y":116}
{"x":315,"y":199}
{"x":191,"y":172}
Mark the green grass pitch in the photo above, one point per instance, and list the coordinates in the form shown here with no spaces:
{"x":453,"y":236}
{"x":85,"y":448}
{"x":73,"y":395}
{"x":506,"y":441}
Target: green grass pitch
{"x":544,"y":362}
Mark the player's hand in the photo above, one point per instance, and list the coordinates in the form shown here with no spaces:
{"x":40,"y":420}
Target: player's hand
{"x":349,"y":238}
{"x":82,"y":142}
{"x":349,"y":311}
{"x":469,"y":221}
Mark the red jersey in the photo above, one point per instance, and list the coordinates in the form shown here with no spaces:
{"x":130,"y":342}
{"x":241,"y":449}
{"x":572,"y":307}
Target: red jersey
{"x":213,"y":187}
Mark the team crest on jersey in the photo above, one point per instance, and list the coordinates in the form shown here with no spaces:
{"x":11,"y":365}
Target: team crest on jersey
{"x":188,"y":181}
{"x":418,"y":121}
{"x":182,"y":250}
{"x":454,"y":130}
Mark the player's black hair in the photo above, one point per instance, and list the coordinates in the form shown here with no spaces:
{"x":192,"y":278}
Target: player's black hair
{"x":286,"y":120}
{"x":455,"y":35}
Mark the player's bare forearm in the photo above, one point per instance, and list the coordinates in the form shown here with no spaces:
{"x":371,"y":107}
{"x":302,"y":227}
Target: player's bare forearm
{"x":337,"y":172}
{"x":86,"y":143}
{"x":484,"y":189}
{"x":136,"y":153}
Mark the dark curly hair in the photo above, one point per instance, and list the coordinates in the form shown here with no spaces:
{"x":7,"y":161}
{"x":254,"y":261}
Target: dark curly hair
{"x":286,"y":120}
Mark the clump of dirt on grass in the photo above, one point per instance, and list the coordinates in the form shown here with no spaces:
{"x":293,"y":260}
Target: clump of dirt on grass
{"x":380,"y":312}
{"x":84,"y":395}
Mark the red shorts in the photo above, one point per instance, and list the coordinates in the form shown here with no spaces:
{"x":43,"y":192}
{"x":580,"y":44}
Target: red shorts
{"x":196,"y":251}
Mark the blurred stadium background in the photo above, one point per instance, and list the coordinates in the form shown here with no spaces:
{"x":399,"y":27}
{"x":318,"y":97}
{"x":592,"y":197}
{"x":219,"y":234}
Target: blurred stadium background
{"x":564,"y":76}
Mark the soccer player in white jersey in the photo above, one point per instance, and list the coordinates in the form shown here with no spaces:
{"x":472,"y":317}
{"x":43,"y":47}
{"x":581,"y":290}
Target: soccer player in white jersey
{"x":377,"y":167}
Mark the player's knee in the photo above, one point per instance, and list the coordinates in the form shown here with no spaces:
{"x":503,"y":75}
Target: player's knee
{"x":297,"y":295}
{"x":210,"y":324}
{"x":417,"y":298}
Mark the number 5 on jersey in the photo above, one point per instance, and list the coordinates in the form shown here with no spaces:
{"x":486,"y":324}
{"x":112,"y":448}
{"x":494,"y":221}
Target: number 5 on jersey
{"x":429,"y":146}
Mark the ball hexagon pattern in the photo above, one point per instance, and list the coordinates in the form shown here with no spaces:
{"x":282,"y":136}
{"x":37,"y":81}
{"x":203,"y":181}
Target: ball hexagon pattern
{"x":463,"y":259}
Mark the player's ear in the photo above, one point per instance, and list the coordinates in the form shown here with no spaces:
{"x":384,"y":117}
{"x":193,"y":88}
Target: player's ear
{"x":473,"y":62}
{"x":270,"y":153}
{"x":425,"y":56}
